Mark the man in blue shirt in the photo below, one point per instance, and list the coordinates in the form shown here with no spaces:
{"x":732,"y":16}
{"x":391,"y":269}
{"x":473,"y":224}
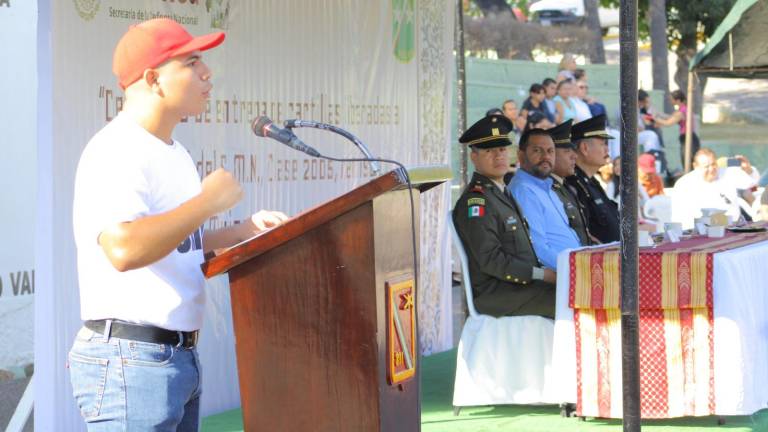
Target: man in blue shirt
{"x":532,"y":189}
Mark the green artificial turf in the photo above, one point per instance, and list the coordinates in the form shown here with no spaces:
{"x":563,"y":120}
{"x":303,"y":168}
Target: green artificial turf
{"x":437,"y":413}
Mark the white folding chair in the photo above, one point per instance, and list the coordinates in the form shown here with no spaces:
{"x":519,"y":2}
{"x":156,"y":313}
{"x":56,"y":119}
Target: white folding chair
{"x":658,"y":208}
{"x":500,"y":360}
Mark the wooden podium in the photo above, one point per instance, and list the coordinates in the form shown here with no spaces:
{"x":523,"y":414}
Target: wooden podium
{"x":324,"y":313}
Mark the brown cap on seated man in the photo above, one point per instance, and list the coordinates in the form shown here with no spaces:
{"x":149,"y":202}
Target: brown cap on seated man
{"x":507,"y":278}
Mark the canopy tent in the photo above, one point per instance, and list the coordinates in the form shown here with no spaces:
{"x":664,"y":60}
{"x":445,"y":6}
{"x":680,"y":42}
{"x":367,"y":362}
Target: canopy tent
{"x":737,"y":48}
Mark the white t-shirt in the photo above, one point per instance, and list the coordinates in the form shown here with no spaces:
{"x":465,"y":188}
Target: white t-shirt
{"x":692,"y":193}
{"x":582,"y":110}
{"x":126,"y":173}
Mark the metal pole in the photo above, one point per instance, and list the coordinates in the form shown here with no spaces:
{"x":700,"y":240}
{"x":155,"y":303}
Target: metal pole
{"x":461,"y":93}
{"x":628,"y":214}
{"x":688,"y":122}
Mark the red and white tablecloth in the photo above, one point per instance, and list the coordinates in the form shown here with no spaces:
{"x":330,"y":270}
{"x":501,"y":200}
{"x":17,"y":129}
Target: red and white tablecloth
{"x":703,"y":328}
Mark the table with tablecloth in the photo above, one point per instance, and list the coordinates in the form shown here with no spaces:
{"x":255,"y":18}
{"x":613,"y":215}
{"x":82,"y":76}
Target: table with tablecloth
{"x":703,"y":328}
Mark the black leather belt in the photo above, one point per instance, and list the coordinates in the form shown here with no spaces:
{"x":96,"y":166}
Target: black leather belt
{"x":143,"y":333}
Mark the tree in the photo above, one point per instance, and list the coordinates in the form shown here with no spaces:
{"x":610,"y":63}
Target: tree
{"x":597,"y":51}
{"x":498,"y":10}
{"x":688,"y":22}
{"x":657,"y":22}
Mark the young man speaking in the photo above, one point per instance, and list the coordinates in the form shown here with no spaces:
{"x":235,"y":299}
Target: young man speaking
{"x":139,"y":208}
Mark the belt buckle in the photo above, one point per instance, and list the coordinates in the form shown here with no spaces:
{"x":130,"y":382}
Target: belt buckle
{"x":188,"y":340}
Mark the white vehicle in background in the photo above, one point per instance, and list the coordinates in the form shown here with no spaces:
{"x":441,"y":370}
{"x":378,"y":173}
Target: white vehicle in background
{"x":557,"y":12}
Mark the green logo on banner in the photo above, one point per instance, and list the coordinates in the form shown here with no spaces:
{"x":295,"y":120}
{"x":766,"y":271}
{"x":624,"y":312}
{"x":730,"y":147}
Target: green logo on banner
{"x":219,"y":12}
{"x":87,"y":9}
{"x":403,"y":29}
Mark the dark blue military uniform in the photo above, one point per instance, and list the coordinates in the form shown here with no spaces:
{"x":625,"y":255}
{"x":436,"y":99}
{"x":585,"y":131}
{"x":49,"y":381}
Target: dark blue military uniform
{"x":601,"y":212}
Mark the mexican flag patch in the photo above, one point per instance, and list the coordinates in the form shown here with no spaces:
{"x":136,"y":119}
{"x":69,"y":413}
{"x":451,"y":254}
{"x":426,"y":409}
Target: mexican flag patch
{"x":476,"y":211}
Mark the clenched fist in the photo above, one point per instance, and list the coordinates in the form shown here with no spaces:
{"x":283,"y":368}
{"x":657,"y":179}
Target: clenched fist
{"x":221,"y":190}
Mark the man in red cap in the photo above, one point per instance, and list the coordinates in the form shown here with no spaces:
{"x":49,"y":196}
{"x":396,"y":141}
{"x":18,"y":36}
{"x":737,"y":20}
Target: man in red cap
{"x":648,"y":176}
{"x":138,"y":213}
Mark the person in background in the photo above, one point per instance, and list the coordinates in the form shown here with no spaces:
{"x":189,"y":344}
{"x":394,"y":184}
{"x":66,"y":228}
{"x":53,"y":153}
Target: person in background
{"x":535,"y":102}
{"x":537,"y":120}
{"x":510,"y":111}
{"x":748,"y":168}
{"x":579,"y":101}
{"x":565,"y":71}
{"x":564,"y":109}
{"x":647,"y":175}
{"x":731,"y":172}
{"x":595,"y":107}
{"x":647,"y":114}
{"x":494,"y":111}
{"x":550,"y":91}
{"x":703,"y":188}
{"x":648,"y":135}
{"x":608,"y":181}
{"x":679,"y":118}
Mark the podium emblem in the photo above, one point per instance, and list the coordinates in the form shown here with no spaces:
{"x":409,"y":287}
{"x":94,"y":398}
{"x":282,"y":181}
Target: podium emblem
{"x":401,"y":331}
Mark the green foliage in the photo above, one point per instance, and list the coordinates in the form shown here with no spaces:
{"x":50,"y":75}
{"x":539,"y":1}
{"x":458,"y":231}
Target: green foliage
{"x":684,"y":17}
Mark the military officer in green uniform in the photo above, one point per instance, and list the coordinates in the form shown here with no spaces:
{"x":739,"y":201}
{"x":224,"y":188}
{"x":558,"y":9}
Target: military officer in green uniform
{"x":507,"y":278}
{"x":565,"y":165}
{"x":590,"y":139}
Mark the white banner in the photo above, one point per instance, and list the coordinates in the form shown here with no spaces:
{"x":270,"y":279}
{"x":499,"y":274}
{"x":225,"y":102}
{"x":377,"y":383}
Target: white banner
{"x":351,"y":64}
{"x":18,"y":86}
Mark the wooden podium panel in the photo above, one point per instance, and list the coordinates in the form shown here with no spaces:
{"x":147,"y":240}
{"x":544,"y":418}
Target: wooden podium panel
{"x":310,"y":313}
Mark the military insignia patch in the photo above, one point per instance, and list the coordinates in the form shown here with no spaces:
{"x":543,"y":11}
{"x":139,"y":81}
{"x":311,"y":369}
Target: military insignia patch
{"x":476,"y":211}
{"x":478,"y":189}
{"x":476,"y":201}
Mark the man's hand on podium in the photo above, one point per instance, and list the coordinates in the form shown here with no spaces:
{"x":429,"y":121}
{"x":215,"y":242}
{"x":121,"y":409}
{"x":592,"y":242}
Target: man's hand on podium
{"x":266,"y":219}
{"x":218,"y":240}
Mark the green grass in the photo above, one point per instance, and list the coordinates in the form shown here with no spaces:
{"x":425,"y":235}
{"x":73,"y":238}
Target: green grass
{"x":750,"y":140}
{"x":437,"y":413}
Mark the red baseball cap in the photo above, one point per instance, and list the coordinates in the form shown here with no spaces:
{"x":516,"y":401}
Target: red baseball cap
{"x":150,"y":43}
{"x":647,"y":163}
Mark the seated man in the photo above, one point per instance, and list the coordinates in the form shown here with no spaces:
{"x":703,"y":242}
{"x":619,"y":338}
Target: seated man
{"x":507,"y":278}
{"x":702,"y":188}
{"x":565,"y":166}
{"x":591,"y":141}
{"x":648,"y":176}
{"x":532,"y":189}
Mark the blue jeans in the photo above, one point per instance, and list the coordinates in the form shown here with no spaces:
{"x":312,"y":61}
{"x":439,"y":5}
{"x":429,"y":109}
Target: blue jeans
{"x":126,"y":385}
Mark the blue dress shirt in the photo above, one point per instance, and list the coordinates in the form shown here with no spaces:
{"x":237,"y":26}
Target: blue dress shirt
{"x":548,"y":223}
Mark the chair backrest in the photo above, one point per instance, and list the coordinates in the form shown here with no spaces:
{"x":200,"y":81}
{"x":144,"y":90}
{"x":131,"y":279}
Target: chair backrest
{"x":746,"y":208}
{"x":466,"y":281}
{"x":658,"y":208}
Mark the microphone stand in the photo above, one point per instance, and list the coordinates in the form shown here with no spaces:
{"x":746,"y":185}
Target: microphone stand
{"x":401,"y":172}
{"x":290,"y":124}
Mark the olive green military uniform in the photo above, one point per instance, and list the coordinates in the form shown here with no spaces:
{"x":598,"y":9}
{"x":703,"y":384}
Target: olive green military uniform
{"x":573,"y":210}
{"x":501,"y":256}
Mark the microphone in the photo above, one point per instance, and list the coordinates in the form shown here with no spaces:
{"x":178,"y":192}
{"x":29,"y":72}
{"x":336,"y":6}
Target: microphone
{"x":264,"y":127}
{"x":294,"y":123}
